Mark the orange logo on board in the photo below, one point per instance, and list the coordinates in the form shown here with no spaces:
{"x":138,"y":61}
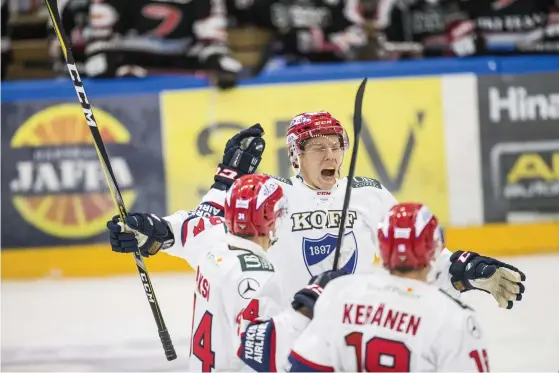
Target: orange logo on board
{"x":59,"y":185}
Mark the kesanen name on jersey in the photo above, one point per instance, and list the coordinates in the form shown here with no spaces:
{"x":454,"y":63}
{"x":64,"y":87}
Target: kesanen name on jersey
{"x":385,"y":317}
{"x":321,"y":219}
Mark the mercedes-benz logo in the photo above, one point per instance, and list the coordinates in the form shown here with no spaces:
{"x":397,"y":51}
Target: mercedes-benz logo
{"x":248,"y":287}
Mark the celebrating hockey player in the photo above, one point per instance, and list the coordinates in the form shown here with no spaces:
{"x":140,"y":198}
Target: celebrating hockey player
{"x":316,"y":145}
{"x":317,"y":142}
{"x":393,"y":322}
{"x":231,"y":265}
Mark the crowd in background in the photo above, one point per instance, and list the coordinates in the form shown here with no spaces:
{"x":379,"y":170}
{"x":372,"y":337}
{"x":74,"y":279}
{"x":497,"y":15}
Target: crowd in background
{"x":233,"y":39}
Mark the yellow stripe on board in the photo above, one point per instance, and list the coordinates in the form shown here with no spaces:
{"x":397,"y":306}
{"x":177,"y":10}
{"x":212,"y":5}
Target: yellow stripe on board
{"x":84,"y":261}
{"x":98,"y":260}
{"x":505,"y":239}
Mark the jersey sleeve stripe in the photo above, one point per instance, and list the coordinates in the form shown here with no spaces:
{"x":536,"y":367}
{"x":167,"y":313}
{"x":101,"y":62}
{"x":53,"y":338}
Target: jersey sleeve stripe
{"x":300,"y":364}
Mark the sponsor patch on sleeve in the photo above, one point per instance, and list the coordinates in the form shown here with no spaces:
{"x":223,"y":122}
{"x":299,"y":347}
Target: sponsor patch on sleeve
{"x":252,"y":262}
{"x":258,"y":346}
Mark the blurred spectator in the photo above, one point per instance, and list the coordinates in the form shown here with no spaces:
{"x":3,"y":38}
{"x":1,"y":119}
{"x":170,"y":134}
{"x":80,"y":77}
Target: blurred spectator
{"x":74,"y":15}
{"x":415,"y":28}
{"x":138,"y":37}
{"x":307,"y":30}
{"x":507,"y":27}
{"x":6,"y":38}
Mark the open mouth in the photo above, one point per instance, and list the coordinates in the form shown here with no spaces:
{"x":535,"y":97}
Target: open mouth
{"x":328,"y":172}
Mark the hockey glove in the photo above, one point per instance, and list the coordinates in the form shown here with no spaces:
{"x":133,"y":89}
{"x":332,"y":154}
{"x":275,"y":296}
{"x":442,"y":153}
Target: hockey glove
{"x":242,"y":155}
{"x":473,"y":271}
{"x":308,"y":296}
{"x":144,"y":231}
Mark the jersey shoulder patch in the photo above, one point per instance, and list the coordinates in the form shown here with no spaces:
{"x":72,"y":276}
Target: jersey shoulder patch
{"x":281,"y":179}
{"x":361,"y":181}
{"x":252,"y":262}
{"x":462,"y":305}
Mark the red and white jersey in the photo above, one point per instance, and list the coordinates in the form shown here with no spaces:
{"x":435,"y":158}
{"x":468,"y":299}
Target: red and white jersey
{"x":227,"y":277}
{"x":379,"y":322}
{"x":230,"y":271}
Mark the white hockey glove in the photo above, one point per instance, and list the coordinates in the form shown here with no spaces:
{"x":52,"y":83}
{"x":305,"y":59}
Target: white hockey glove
{"x":470,"y":270}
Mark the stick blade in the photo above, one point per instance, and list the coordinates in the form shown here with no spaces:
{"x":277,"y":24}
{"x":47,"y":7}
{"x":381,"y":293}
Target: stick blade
{"x":358,"y":110}
{"x":357,"y":124}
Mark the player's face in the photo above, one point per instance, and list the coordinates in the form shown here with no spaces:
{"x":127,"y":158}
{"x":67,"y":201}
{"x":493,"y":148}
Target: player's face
{"x":321,"y":160}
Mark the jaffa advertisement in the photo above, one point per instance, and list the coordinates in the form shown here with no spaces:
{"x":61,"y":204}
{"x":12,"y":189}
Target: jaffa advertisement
{"x":54,"y":191}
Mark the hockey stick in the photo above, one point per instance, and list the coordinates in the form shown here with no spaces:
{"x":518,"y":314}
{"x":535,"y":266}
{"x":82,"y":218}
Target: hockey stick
{"x":357,"y":124}
{"x":52,"y":7}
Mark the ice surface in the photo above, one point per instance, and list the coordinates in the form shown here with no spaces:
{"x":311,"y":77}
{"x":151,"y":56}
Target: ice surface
{"x":106,"y":324}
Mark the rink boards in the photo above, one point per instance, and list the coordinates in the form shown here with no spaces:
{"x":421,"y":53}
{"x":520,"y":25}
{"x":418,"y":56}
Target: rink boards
{"x":476,"y":140}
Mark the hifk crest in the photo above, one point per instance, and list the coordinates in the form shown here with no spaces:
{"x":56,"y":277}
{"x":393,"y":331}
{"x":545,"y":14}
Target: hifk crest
{"x":319,"y":253}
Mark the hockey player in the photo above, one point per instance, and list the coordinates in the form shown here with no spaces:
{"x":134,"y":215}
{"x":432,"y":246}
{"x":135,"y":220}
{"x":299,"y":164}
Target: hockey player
{"x":231,"y":264}
{"x":131,"y":38}
{"x":317,"y":142}
{"x":394,"y":322}
{"x":316,"y":145}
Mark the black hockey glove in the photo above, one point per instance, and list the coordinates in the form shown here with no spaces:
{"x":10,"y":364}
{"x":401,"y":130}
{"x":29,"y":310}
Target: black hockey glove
{"x":242,"y":155}
{"x":470,"y":270}
{"x":308,"y":296}
{"x":144,"y":231}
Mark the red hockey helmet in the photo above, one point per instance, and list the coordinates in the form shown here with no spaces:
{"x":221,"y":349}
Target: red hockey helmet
{"x":307,"y":125}
{"x":253,"y":204}
{"x":409,"y":237}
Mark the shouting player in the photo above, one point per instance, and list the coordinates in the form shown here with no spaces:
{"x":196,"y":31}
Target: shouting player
{"x":396,"y":321}
{"x":316,"y":144}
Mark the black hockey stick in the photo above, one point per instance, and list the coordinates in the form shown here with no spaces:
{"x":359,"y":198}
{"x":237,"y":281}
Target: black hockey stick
{"x":107,"y":169}
{"x":357,"y":124}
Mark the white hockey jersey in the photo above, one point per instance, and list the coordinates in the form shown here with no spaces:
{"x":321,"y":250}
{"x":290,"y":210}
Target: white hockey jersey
{"x":378,"y":322}
{"x":229,"y":272}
